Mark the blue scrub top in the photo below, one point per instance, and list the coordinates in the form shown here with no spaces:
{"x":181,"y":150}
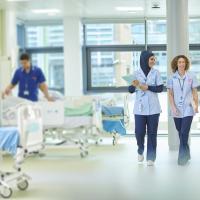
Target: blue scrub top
{"x":183,"y":96}
{"x":28,"y":82}
{"x":147,"y":102}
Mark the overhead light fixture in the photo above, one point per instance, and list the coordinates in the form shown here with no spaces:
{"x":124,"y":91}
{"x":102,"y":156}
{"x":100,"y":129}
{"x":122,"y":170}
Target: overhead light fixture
{"x":133,"y":9}
{"x":17,"y":0}
{"x":46,"y":11}
{"x":131,"y":12}
{"x":51,"y":14}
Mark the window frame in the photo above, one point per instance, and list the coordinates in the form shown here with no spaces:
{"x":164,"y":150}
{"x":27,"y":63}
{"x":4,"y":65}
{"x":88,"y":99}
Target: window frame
{"x":42,"y":49}
{"x":88,"y":49}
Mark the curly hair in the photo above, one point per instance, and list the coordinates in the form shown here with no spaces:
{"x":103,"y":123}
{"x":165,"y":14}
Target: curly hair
{"x":174,"y":63}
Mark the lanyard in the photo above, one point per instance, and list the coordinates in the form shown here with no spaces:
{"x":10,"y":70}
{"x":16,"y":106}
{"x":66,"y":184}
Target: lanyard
{"x":181,"y":86}
{"x":26,"y":82}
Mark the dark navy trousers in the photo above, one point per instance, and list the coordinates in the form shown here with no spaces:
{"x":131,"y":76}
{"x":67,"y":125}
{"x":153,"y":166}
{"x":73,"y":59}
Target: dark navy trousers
{"x":149,"y":123}
{"x":183,"y":126}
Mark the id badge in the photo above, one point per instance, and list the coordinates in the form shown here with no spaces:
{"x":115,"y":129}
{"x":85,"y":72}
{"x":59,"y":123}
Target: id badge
{"x":140,"y":106}
{"x":180,"y":103}
{"x":26,"y":92}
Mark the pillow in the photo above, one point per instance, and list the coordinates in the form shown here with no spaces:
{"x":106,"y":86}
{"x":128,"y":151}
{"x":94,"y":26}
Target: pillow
{"x":83,"y":110}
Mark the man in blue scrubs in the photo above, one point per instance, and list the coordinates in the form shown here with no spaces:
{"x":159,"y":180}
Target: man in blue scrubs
{"x":29,"y":79}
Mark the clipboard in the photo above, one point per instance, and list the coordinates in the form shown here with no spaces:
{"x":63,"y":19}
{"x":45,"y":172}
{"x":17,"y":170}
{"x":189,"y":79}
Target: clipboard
{"x":129,"y":78}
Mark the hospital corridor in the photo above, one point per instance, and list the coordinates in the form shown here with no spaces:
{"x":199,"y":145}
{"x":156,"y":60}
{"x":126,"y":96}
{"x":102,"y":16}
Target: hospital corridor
{"x":113,"y":174}
{"x":99,"y":99}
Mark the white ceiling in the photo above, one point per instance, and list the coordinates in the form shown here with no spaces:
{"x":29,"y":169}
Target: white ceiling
{"x":92,"y":8}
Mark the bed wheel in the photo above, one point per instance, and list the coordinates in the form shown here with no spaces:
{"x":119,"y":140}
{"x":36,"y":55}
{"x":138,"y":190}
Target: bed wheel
{"x":76,"y":142}
{"x":82,"y":155}
{"x":114,"y":141}
{"x":22,"y":185}
{"x":6,"y":192}
{"x":99,"y":141}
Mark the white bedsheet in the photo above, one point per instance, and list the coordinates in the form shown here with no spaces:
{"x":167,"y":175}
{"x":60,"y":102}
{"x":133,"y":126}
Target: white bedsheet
{"x":75,"y":122}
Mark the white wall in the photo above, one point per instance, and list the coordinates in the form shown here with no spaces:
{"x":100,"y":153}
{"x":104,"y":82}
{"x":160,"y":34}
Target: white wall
{"x":177,"y":43}
{"x":9,"y":49}
{"x":72,"y":56}
{"x":10,"y":37}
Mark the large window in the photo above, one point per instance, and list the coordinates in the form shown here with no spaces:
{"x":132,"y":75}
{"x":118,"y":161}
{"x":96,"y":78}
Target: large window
{"x":194,"y":39}
{"x":52,"y":65}
{"x":194,"y":31}
{"x":161,"y":63}
{"x":195,"y":63}
{"x":156,"y":32}
{"x":44,"y":36}
{"x":111,"y":34}
{"x":45,"y":44}
{"x":108,"y":68}
{"x":113,"y":51}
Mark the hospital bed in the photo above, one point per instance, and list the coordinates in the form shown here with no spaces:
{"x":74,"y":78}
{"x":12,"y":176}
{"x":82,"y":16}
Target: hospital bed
{"x":86,"y":118}
{"x":72,"y":119}
{"x":9,"y":109}
{"x":20,"y":142}
{"x":108,"y":117}
{"x":82,"y":119}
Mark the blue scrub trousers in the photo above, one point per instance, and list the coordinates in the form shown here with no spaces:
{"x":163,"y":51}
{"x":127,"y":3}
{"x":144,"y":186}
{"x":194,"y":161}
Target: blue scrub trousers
{"x":183,"y":127}
{"x":149,"y":122}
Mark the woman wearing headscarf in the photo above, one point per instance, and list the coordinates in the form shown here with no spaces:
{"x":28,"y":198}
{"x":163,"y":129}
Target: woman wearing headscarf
{"x":146,"y":84}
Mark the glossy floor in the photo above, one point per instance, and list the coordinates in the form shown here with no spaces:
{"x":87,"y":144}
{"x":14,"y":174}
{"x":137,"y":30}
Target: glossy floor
{"x":111,"y":173}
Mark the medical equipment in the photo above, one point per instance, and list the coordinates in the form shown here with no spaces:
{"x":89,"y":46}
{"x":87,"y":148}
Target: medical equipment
{"x":10,"y":107}
{"x":27,"y":138}
{"x":115,"y":119}
{"x":74,"y":119}
{"x":79,"y":119}
{"x":53,"y":94}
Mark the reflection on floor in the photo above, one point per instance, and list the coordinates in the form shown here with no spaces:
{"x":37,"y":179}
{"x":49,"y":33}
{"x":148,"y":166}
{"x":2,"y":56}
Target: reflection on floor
{"x":111,"y":173}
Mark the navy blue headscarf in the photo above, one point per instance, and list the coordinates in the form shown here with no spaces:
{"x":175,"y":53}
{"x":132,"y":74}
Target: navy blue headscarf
{"x":144,"y":61}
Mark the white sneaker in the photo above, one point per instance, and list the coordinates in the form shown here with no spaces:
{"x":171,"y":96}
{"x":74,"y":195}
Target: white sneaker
{"x":150,"y":163}
{"x":140,"y":158}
